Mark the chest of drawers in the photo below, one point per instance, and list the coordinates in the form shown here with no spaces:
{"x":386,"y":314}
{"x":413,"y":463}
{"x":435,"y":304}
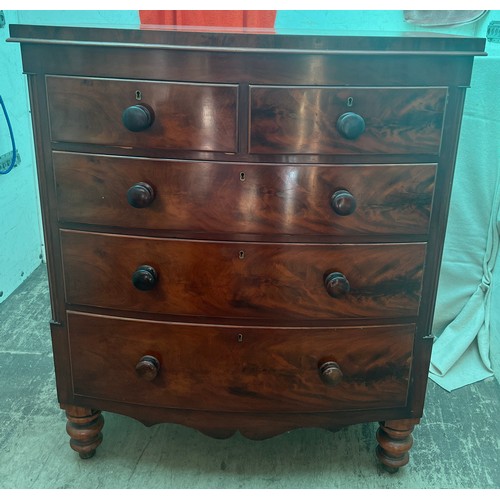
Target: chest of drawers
{"x":244,"y":229}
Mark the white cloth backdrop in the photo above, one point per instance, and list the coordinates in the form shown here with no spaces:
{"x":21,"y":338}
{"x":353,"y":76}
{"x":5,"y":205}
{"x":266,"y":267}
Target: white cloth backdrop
{"x":462,"y":323}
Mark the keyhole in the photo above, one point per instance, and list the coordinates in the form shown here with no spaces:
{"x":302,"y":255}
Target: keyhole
{"x":350,"y":100}
{"x":241,"y":255}
{"x":138,"y":95}
{"x":242,"y":176}
{"x":240,"y":337}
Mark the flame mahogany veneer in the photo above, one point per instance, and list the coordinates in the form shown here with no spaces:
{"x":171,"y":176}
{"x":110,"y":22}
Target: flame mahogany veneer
{"x":244,"y":229}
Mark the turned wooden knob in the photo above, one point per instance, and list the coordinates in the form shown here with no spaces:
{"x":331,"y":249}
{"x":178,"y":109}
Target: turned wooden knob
{"x":137,"y":118}
{"x":147,"y":368}
{"x":350,"y":125}
{"x":337,"y":285}
{"x":330,"y":373}
{"x":140,"y":195}
{"x":343,"y":202}
{"x":145,"y":278}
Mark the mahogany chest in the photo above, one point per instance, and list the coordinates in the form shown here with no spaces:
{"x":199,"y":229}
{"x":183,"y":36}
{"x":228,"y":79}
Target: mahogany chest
{"x":244,"y":229}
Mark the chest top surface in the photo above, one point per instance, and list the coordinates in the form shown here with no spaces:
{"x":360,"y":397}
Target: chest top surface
{"x":251,"y":39}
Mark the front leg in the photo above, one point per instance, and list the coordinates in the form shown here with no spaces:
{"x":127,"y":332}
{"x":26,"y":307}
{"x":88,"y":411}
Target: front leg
{"x":395,"y":440}
{"x":84,"y":427}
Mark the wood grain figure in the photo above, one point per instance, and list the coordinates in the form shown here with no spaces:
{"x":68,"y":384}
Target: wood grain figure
{"x":244,"y":230}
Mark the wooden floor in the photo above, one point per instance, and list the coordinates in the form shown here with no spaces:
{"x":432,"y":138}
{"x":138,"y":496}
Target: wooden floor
{"x":457,"y":445}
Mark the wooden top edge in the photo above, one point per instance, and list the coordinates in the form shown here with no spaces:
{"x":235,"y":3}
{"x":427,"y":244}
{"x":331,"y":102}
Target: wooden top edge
{"x":249,"y":39}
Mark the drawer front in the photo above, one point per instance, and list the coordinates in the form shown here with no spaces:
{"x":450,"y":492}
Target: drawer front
{"x":185,"y":116}
{"x":229,"y":368}
{"x":246,"y":280}
{"x":304,"y":120}
{"x":244,"y":198}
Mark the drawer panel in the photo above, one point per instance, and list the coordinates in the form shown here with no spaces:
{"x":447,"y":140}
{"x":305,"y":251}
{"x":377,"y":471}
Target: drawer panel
{"x":241,"y":279}
{"x":229,"y":368}
{"x":303,"y":120}
{"x":271,"y":199}
{"x":186,"y":116}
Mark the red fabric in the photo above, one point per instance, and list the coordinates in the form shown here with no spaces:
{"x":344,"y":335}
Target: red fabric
{"x":221,"y":18}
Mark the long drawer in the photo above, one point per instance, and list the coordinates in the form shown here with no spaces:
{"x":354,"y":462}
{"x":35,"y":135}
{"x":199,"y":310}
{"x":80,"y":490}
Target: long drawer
{"x":230,"y":368}
{"x":270,"y":199}
{"x":183,"y":116}
{"x":241,"y":279}
{"x":346,"y":120}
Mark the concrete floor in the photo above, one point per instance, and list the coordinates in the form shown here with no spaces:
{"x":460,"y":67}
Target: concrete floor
{"x":457,"y":445}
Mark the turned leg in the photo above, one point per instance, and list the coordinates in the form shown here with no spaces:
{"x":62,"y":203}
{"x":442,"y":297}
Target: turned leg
{"x":84,"y":427}
{"x":395,"y":440}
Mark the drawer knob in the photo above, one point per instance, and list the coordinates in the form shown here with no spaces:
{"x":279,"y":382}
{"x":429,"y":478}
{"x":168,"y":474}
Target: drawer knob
{"x":140,"y":195}
{"x":147,"y":368}
{"x":145,"y":278}
{"x":337,"y":285}
{"x":350,"y":125}
{"x":343,"y":202}
{"x":137,"y":118}
{"x":330,"y":373}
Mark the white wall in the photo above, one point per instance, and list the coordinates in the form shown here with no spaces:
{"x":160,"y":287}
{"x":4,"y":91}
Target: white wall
{"x":78,"y":17}
{"x":20,"y":230}
{"x":21,"y":241}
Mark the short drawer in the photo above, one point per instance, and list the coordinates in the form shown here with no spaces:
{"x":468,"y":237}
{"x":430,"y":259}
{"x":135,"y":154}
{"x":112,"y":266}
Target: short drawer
{"x":240,"y":279}
{"x":106,"y":111}
{"x":346,"y":120}
{"x":230,"y":368}
{"x":257,"y":199}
